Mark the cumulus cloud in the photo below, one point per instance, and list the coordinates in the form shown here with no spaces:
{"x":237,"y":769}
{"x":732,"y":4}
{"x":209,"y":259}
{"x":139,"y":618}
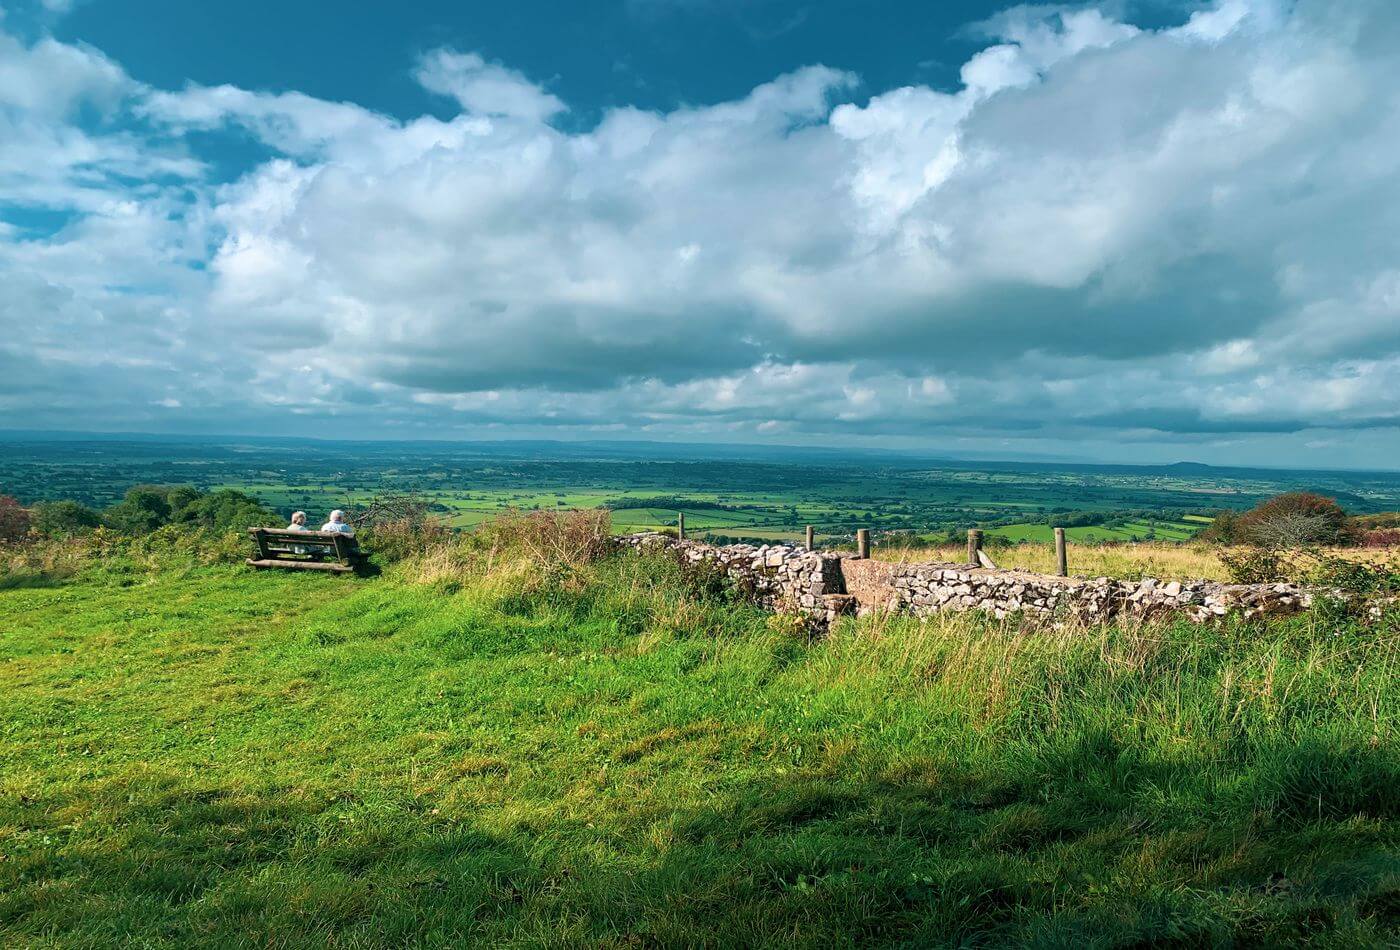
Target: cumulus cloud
{"x":1136,"y":234}
{"x":485,"y":88}
{"x":52,"y":78}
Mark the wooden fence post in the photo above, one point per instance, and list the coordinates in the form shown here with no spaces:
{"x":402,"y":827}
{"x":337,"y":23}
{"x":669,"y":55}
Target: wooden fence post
{"x":811,"y":538}
{"x":863,"y":543}
{"x":974,"y":544}
{"x":1061,"y":557}
{"x":680,"y":525}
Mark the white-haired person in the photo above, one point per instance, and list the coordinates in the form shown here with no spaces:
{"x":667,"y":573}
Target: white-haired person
{"x":298,"y":522}
{"x":337,"y":523}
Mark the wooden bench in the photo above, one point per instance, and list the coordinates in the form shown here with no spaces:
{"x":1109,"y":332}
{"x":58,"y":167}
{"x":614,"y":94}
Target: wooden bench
{"x":306,"y":550}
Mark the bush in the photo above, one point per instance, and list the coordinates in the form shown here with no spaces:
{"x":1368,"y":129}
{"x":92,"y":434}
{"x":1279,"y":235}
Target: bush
{"x":14,"y":520}
{"x":396,"y":540}
{"x":1380,"y":520}
{"x":1256,"y":567}
{"x":552,"y":538}
{"x":1225,"y":529}
{"x":1355,"y":577}
{"x":1381,"y":538}
{"x":1314,"y":568}
{"x":63,"y":519}
{"x":1293,"y":520}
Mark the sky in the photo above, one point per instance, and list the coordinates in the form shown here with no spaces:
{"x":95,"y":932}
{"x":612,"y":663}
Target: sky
{"x":1130,"y":231}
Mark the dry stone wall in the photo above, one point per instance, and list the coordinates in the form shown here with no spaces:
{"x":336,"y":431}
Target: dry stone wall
{"x":823,"y":586}
{"x":923,"y":588}
{"x":781,"y":577}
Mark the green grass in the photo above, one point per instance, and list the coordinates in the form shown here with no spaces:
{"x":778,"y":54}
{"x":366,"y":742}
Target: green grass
{"x":1182,"y":530}
{"x":211,"y":757}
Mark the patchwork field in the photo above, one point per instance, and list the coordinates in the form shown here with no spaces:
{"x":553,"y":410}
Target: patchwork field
{"x":730,"y":494}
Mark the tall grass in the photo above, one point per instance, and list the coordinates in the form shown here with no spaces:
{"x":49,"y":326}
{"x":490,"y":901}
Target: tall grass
{"x":1129,"y":561}
{"x":113,"y":556}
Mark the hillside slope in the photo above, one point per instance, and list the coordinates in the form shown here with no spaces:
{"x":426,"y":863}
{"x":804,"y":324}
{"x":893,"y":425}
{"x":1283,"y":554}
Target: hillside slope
{"x":614,"y":757}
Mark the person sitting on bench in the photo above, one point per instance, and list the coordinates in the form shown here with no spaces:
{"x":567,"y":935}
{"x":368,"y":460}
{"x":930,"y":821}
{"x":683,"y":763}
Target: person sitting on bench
{"x":337,"y":523}
{"x":298,"y":524}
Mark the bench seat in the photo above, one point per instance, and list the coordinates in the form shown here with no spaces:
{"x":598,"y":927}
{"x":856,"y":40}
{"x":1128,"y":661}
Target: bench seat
{"x":332,"y":551}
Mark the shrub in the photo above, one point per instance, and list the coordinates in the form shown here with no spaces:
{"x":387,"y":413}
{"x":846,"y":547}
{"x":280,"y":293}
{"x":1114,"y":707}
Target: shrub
{"x":1381,"y":538}
{"x":1355,"y":577}
{"x":552,"y":538}
{"x":14,"y":519}
{"x":1225,"y":529}
{"x":1293,"y":520}
{"x":62,"y":519}
{"x":1377,"y":521}
{"x":1255,"y":566}
{"x":396,"y":540}
{"x":46,"y":560}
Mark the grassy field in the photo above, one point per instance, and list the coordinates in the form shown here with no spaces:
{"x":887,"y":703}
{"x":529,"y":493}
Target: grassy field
{"x":1129,"y":561}
{"x":1134,"y":530}
{"x":476,"y":751}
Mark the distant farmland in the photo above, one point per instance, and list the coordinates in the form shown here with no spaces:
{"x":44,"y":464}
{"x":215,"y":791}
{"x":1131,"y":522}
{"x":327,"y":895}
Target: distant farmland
{"x":730,"y":497}
{"x":1137,"y":530}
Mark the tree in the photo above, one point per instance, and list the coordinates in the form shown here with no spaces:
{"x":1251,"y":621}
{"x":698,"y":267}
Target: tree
{"x":14,"y":519}
{"x":390,"y":509}
{"x":180,"y":497}
{"x":148,"y":507}
{"x":1295,"y":519}
{"x":143,"y":509}
{"x":58,"y":519}
{"x":226,"y":510}
{"x":1224,"y":529}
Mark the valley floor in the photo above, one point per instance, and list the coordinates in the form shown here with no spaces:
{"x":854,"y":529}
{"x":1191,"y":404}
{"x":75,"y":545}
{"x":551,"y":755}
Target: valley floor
{"x":208,"y":756}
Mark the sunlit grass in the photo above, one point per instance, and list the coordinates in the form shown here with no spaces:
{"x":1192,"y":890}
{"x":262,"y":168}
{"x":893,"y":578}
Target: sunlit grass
{"x":1131,"y":561}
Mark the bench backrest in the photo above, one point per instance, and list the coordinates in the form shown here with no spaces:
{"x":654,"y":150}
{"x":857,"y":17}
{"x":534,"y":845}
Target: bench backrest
{"x":277,"y":541}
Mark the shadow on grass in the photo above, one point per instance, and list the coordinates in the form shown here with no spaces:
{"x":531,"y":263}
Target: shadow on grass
{"x":1089,"y":843}
{"x":228,"y":867}
{"x":34,"y":580}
